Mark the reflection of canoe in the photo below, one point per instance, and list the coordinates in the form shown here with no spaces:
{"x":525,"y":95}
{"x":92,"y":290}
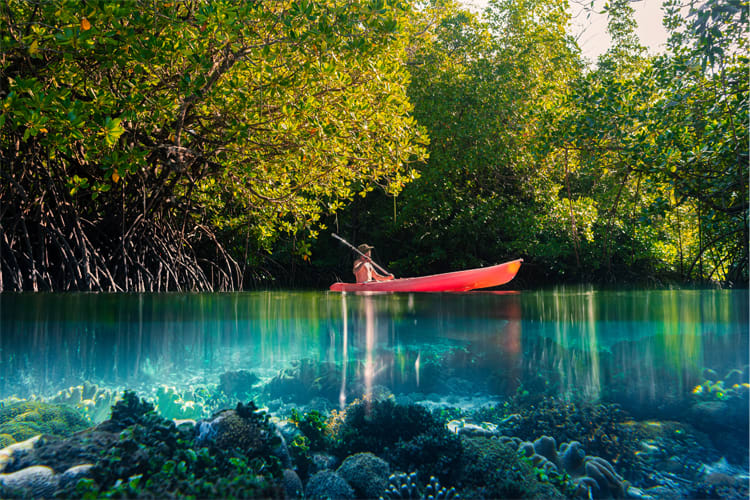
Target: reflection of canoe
{"x":458,"y":281}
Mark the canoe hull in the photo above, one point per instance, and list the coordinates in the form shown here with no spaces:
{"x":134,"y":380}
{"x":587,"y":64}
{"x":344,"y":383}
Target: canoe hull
{"x":458,"y":281}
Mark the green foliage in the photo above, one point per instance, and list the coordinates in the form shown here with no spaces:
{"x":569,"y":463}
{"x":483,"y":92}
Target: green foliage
{"x":242,"y":119}
{"x":660,"y":145}
{"x":632,"y":170}
{"x":174,"y":146}
{"x":485,"y":89}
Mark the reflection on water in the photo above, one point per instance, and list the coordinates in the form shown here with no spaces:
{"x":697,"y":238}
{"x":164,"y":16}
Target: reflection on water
{"x":635,"y":346}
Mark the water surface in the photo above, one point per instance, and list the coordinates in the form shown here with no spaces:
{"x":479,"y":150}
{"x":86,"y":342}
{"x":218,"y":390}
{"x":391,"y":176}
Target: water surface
{"x":637,"y":348}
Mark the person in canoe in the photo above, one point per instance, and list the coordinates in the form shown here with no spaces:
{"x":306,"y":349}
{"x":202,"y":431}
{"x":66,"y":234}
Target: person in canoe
{"x":363,"y":270}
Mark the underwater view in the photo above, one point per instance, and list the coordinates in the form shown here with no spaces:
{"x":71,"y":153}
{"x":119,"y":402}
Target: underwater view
{"x":563,"y":393}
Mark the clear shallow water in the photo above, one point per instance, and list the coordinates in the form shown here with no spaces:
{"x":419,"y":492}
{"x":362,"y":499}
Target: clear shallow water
{"x":642,"y":349}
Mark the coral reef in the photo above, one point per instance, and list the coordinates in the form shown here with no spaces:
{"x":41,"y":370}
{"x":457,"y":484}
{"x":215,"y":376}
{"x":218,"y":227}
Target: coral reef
{"x":140,"y":454}
{"x":602,"y":429}
{"x":434,"y":490}
{"x":408,"y":436}
{"x":591,"y":477}
{"x":490,"y":468}
{"x":377,"y":425}
{"x":129,"y":411}
{"x":366,"y":474}
{"x":432,"y":453}
{"x":40,"y":481}
{"x":719,"y":407}
{"x":312,"y":425}
{"x":244,"y":428}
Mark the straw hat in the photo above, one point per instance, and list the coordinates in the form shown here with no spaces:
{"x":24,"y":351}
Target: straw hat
{"x":364,"y":248}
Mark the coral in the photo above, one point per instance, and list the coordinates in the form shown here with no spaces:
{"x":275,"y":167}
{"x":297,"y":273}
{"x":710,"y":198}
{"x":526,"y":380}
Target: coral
{"x":326,"y":484}
{"x":292,"y":484}
{"x":432,"y":453}
{"x":609,"y":483}
{"x":405,"y":486}
{"x":547,"y":447}
{"x":63,"y":453}
{"x":91,"y":400}
{"x":464,"y":428}
{"x":72,"y":475}
{"x":130,"y":410}
{"x":434,"y":490}
{"x":237,"y":383}
{"x":37,"y":481}
{"x":490,"y":468}
{"x":572,"y":457}
{"x":402,"y":486}
{"x":9,"y":454}
{"x":602,"y":429}
{"x":408,"y":436}
{"x":323,"y":461}
{"x":6,"y":440}
{"x":172,"y":404}
{"x":720,"y":410}
{"x":590,"y":476}
{"x":25,"y":419}
{"x":244,"y":428}
{"x":366,"y":473}
{"x":375,"y":426}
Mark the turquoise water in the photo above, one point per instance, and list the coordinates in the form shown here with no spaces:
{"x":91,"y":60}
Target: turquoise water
{"x":641,"y":349}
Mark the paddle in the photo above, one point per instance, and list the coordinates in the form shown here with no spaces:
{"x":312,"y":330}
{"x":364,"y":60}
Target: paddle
{"x":342,"y":240}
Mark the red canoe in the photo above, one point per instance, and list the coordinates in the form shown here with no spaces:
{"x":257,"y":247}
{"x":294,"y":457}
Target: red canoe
{"x":458,"y":281}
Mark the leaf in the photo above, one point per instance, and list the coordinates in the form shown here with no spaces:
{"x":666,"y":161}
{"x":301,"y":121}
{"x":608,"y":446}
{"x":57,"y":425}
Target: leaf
{"x":85,"y":24}
{"x":115,"y":177}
